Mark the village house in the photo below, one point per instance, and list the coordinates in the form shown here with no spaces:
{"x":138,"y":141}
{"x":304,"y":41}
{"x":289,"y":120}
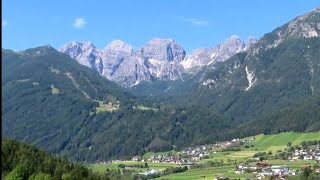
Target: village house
{"x":266,"y":173}
{"x":263,"y":165}
{"x":136,"y":158}
{"x":293,"y":158}
{"x":195,"y":159}
{"x":307,"y":157}
{"x":280,"y":170}
{"x":149,"y":172}
{"x":244,"y":167}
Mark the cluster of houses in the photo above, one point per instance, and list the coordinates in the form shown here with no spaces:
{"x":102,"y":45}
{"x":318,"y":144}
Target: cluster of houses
{"x":232,"y":143}
{"x":167,"y":159}
{"x":311,"y":153}
{"x":190,"y":155}
{"x":263,"y":169}
{"x":196,"y":153}
{"x":185,"y":157}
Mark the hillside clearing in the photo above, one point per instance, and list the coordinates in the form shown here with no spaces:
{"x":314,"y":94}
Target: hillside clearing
{"x":54,"y":90}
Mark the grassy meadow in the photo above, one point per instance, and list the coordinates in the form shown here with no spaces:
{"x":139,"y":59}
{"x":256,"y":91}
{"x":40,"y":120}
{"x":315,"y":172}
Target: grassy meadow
{"x":111,"y":166}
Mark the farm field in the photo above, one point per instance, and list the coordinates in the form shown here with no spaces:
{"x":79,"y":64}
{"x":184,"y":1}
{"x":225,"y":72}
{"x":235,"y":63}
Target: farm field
{"x":149,"y":154}
{"x":157,"y":166}
{"x":207,"y":173}
{"x":106,"y":107}
{"x":228,"y":171}
{"x":279,"y":141}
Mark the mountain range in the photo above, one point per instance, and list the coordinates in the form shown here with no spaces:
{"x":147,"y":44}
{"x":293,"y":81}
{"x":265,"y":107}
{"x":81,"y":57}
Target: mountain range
{"x":159,"y":59}
{"x":234,"y":90}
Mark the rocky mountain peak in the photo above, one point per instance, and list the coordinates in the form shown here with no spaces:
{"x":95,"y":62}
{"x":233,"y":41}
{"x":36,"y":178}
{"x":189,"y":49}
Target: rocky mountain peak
{"x":164,"y":50}
{"x":209,"y":56}
{"x":307,"y":26}
{"x":118,"y":45}
{"x":304,"y":26}
{"x":88,"y":47}
{"x":85,"y":53}
{"x":72,"y":49}
{"x":113,"y":55}
{"x":234,"y":39}
{"x":88,"y":44}
{"x":39,"y":51}
{"x":234,"y":43}
{"x":162,"y":59}
{"x":251,"y":41}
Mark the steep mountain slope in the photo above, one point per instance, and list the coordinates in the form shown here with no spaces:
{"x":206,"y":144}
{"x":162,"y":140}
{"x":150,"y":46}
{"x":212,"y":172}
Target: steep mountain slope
{"x":46,"y":96}
{"x":113,"y":55}
{"x":278,"y":71}
{"x":85,"y":53}
{"x":57,"y":104}
{"x":300,"y":117}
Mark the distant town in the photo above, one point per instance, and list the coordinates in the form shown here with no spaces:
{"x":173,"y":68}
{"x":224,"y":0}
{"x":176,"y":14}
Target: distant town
{"x":258,"y":164}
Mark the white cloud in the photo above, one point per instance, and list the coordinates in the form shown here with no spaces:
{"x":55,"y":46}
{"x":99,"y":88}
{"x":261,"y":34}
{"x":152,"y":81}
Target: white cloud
{"x":79,"y":23}
{"x":4,"y":23}
{"x":196,"y":22}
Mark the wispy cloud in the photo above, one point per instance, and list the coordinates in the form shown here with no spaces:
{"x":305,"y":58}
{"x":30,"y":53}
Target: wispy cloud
{"x":4,"y":23}
{"x":79,"y":23}
{"x":196,"y":22}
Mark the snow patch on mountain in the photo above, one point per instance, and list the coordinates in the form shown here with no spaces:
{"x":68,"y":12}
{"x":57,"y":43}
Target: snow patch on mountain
{"x":251,"y":77}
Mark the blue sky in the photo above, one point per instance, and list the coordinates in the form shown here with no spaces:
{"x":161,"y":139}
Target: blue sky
{"x":192,"y":23}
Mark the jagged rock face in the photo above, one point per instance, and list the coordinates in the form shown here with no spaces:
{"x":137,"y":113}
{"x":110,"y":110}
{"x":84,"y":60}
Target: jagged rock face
{"x":307,"y":25}
{"x":85,"y":53}
{"x":220,"y":53}
{"x":159,"y":59}
{"x":113,"y":55}
{"x":197,"y":58}
{"x":164,"y":50}
{"x":132,"y":70}
{"x":163,"y":57}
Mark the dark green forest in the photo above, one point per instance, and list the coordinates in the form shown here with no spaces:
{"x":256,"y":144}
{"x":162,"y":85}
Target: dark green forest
{"x":21,"y":162}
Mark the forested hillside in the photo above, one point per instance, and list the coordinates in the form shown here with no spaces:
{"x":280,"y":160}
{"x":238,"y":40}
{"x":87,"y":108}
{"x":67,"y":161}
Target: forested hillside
{"x":303,"y":117}
{"x":51,"y":101}
{"x":21,"y":161}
